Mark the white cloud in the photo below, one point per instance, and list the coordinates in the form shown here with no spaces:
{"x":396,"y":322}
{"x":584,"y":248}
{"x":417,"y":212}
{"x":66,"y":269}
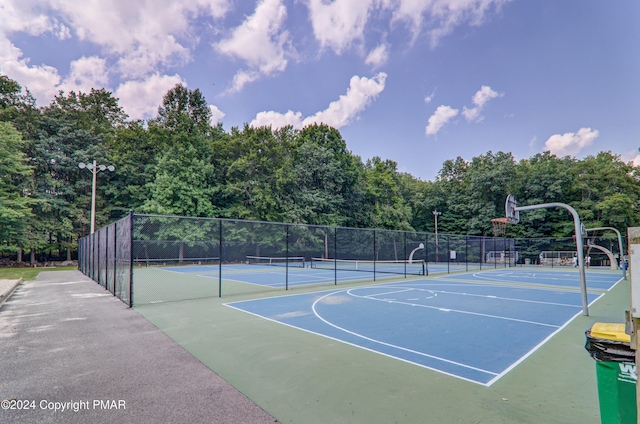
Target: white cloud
{"x":430,"y":97}
{"x":141,"y":98}
{"x":341,"y":112}
{"x":86,"y":73}
{"x":216,"y":114}
{"x":481,"y":97}
{"x":440,"y":117}
{"x":259,"y":42}
{"x":141,"y":35}
{"x":41,"y":80}
{"x":61,"y":31}
{"x":242,"y":78}
{"x":277,"y":119}
{"x":339,"y":23}
{"x":378,"y":56}
{"x":144,"y":59}
{"x":570,"y":143}
{"x":440,"y":17}
{"x":361,"y":92}
{"x":18,"y":16}
{"x":631,"y":156}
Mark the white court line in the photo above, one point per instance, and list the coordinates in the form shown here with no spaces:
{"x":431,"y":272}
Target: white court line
{"x":230,"y":305}
{"x":509,"y":298}
{"x":539,"y":345}
{"x":494,"y":280}
{"x":393,"y":292}
{"x":454,"y":310}
{"x":440,"y":282}
{"x":313,"y":307}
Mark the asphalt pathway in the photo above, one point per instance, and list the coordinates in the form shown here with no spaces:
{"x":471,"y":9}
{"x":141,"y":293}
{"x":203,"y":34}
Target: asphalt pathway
{"x":70,"y":352}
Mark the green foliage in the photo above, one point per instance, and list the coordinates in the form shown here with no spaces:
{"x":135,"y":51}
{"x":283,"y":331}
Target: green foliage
{"x":15,"y":205}
{"x":179,"y":164}
{"x":183,"y":110}
{"x":383,"y":193}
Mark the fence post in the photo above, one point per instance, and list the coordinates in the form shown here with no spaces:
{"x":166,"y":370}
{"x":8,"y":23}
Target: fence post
{"x":131,"y":258}
{"x":374,"y":255}
{"x":448,"y":255}
{"x":466,"y":251}
{"x":220,"y":258}
{"x":97,"y":233}
{"x":115,"y":256}
{"x":286,"y":260}
{"x":405,"y":254}
{"x":507,"y":256}
{"x":335,"y":255}
{"x":106,"y":258}
{"x":426,"y":253}
{"x":495,"y":259}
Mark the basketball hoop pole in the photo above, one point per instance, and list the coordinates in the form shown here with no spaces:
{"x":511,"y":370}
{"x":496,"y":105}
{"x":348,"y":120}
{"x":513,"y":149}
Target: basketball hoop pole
{"x":622,"y":260}
{"x":579,"y":246}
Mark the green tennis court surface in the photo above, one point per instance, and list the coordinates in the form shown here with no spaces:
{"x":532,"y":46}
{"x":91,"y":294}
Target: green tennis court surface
{"x":305,"y":378}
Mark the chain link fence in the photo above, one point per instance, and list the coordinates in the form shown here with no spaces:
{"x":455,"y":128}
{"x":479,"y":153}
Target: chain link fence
{"x":146,"y":259}
{"x":105,"y":257}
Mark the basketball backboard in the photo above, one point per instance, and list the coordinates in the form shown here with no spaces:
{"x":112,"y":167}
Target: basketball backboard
{"x":510,"y":210}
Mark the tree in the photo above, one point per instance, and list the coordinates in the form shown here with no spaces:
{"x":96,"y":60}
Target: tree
{"x":135,"y":152}
{"x":606,"y":191}
{"x":184,"y":110}
{"x":319,"y":183}
{"x":253,"y":159}
{"x":383,"y":192}
{"x":449,"y":196}
{"x":15,"y":205}
{"x":544,"y":178}
{"x":183,"y":182}
{"x":14,"y":104}
{"x":96,"y":112}
{"x":490,"y":176}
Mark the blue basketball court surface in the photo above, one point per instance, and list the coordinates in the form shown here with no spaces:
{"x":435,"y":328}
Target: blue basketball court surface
{"x":474,"y":326}
{"x":276,"y":276}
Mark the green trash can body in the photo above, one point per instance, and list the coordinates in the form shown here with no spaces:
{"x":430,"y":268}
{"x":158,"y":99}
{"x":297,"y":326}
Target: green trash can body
{"x":617,"y":392}
{"x":615,"y":372}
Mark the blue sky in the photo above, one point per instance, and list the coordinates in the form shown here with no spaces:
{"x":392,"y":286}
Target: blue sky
{"x":415,"y":81}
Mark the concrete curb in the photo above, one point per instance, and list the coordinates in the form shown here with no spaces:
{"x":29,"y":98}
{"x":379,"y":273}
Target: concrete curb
{"x":7,"y":287}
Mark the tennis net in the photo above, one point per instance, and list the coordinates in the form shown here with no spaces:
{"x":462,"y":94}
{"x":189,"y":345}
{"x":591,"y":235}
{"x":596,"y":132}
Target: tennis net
{"x":148,"y":262}
{"x":417,"y":267}
{"x":296,"y":261}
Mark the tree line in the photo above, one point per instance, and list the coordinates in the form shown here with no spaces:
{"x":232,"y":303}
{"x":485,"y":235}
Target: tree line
{"x":179,"y":164}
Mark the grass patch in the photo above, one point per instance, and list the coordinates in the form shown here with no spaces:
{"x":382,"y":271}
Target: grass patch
{"x":29,"y":273}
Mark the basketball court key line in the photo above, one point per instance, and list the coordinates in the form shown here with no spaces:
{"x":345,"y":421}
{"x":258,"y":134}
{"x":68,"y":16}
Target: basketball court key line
{"x":437,"y":308}
{"x":389,"y":344}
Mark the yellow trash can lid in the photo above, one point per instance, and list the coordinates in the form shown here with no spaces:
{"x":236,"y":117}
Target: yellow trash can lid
{"x":610,"y":331}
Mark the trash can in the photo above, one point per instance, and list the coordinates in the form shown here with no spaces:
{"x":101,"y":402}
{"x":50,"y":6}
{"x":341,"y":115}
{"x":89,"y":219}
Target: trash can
{"x":616,"y":373}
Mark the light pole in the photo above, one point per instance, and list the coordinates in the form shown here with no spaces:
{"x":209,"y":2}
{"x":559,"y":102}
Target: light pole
{"x":435,"y":217}
{"x":95,"y":169}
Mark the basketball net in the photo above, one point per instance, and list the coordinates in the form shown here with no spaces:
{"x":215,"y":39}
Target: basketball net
{"x":499,"y":226}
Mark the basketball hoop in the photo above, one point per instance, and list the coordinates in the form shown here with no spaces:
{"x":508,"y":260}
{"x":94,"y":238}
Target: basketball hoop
{"x":499,"y":226}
